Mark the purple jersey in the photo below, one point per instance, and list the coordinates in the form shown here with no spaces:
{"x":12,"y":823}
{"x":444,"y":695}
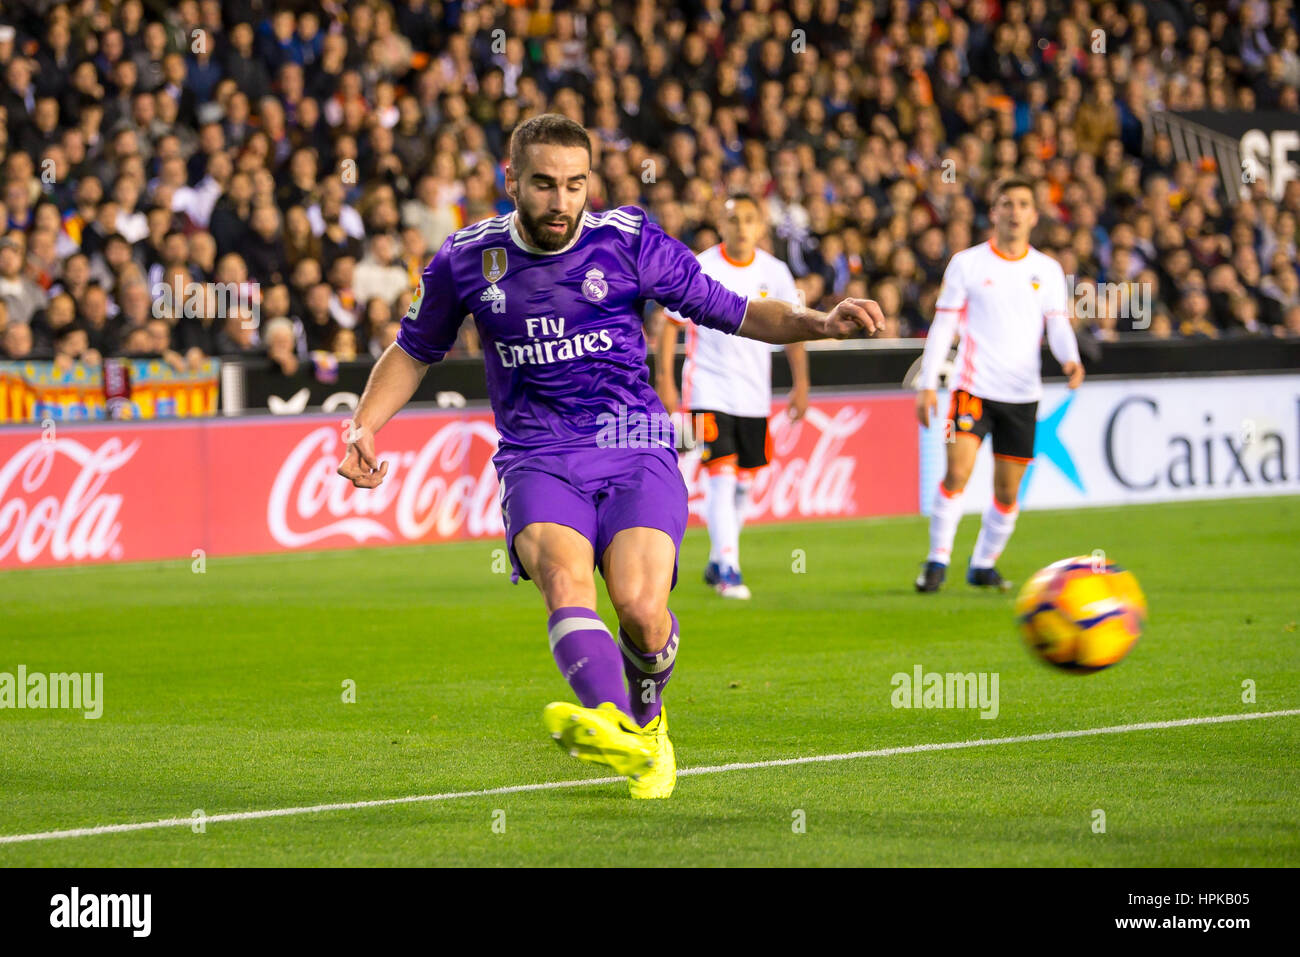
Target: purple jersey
{"x":561,"y":331}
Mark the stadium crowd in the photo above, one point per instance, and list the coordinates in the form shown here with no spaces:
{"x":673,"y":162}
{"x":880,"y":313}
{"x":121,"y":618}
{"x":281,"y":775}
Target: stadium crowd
{"x":319,"y":153}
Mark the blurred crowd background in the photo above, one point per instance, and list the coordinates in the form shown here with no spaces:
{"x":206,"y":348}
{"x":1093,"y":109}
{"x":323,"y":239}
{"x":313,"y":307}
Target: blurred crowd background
{"x":317,"y":154}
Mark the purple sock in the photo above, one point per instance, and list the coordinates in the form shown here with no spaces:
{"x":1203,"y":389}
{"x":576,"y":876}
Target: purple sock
{"x":647,"y":674}
{"x":587,"y":656}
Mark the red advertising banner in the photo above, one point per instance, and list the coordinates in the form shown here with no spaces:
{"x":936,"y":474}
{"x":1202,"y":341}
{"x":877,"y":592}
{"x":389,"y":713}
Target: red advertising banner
{"x":72,"y":493}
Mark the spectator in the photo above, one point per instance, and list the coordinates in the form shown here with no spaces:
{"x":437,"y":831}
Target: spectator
{"x":390,"y":329}
{"x":377,"y":317}
{"x":1291,"y":323}
{"x":71,"y":346}
{"x":344,"y":345}
{"x":231,"y":214}
{"x":381,"y":273}
{"x":1281,"y":291}
{"x":18,"y":341}
{"x":23,"y":297}
{"x":281,"y":346}
{"x":238,"y":336}
{"x":319,"y":324}
{"x":292,"y":137}
{"x":264,"y":248}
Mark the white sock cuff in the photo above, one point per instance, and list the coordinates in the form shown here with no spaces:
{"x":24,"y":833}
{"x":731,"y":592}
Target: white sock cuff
{"x":566,"y":626}
{"x":942,"y":495}
{"x":650,"y":664}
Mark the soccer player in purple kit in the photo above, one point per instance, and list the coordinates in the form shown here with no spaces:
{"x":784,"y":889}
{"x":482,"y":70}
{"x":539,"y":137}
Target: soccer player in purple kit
{"x":557,"y":294}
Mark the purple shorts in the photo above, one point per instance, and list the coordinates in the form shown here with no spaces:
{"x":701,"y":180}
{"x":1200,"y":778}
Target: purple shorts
{"x":597,"y":493}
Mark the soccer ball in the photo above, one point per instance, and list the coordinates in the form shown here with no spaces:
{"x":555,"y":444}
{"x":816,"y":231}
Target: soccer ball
{"x":1081,"y":614}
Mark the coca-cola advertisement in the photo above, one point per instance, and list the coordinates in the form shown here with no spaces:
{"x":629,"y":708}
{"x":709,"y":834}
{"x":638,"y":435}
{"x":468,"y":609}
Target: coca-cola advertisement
{"x":98,"y":493}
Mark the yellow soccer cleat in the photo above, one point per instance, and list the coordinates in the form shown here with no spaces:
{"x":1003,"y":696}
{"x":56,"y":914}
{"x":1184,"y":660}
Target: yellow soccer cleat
{"x":603,"y":735}
{"x":659,"y":781}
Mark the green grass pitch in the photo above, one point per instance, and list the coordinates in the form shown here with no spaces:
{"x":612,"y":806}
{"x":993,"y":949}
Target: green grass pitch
{"x":223,"y":692}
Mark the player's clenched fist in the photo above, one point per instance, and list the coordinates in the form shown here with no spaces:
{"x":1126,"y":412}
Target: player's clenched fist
{"x":359,"y":466}
{"x":854,"y":314}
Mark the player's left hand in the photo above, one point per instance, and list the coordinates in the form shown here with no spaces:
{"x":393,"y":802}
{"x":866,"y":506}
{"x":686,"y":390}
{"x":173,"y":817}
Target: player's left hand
{"x":360,"y":465}
{"x":1075,"y":372}
{"x":850,"y":315}
{"x":798,"y":404}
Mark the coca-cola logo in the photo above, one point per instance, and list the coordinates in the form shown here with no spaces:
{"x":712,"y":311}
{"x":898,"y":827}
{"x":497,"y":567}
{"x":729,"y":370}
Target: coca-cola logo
{"x":445,"y":490}
{"x":794,"y":485}
{"x":439,"y":490}
{"x":80,"y":525}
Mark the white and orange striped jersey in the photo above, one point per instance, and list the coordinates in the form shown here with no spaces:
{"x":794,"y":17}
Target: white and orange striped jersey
{"x":1001,"y":307}
{"x":728,"y":373}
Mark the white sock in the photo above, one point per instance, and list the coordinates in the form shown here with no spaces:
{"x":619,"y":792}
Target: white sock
{"x":995,"y":530}
{"x":742,"y":501}
{"x":945,"y":513}
{"x":720,"y":514}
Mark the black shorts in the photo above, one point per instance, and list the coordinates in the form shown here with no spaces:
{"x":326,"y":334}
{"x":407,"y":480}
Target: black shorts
{"x":1010,"y":423}
{"x":722,"y":435}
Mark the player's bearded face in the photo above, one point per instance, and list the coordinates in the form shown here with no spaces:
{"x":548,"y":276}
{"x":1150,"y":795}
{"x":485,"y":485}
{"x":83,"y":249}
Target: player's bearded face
{"x":548,"y":230}
{"x":550,"y":195}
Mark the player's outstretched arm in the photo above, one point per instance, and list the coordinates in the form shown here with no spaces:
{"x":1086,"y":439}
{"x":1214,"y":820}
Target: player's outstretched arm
{"x":392,"y":382}
{"x":777,"y":322}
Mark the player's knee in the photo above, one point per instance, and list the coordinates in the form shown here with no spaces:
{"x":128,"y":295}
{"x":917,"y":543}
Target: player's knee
{"x":563,"y":585}
{"x":645,"y":620}
{"x":1005,"y":493}
{"x":954,"y":482}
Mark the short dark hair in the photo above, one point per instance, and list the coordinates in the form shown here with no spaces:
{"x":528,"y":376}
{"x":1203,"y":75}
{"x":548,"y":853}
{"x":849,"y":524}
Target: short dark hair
{"x":743,"y":197}
{"x":549,"y":128}
{"x":1012,"y":182}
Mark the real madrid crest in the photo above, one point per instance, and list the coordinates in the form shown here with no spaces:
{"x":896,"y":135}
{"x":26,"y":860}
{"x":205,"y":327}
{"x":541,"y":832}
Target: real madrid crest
{"x":594,"y":286}
{"x":494,"y":263}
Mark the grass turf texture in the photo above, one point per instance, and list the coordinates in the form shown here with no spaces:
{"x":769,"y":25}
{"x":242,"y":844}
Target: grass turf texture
{"x":223,"y":692}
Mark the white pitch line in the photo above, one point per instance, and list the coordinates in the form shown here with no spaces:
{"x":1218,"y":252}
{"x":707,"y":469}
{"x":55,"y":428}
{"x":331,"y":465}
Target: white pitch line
{"x":585,"y":782}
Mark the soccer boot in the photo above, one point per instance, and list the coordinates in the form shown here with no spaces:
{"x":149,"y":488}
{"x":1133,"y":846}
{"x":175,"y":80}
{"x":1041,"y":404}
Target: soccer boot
{"x":712,"y":573}
{"x":603,"y":735}
{"x":658,"y":782}
{"x":931,"y":577}
{"x":731,"y":585}
{"x":987,"y":578}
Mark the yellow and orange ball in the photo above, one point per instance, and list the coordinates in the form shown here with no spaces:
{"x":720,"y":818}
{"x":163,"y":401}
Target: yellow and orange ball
{"x":1081,"y":614}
